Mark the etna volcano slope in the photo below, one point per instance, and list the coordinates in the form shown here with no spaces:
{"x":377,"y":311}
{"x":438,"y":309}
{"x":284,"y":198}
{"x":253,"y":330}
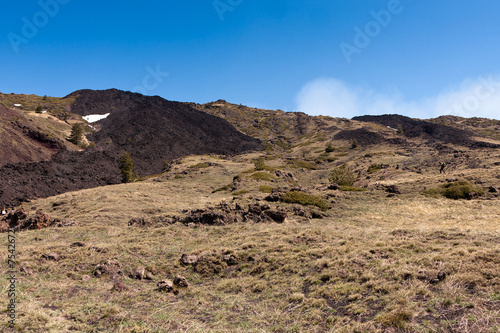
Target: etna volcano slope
{"x":152,"y":129}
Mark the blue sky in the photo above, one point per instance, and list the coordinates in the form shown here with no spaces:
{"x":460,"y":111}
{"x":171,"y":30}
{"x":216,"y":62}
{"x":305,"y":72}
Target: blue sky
{"x":421,"y":58}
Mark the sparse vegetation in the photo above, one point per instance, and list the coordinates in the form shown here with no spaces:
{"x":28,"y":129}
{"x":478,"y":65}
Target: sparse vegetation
{"x":301,"y":164}
{"x":343,"y":176}
{"x":305,"y":199}
{"x":351,"y":189}
{"x":259,"y":164}
{"x":354,"y":144}
{"x":265,"y":189}
{"x":263,"y":176}
{"x":455,"y":190}
{"x":223,"y":188}
{"x":241,"y":192}
{"x":199,"y":165}
{"x":374,"y":168}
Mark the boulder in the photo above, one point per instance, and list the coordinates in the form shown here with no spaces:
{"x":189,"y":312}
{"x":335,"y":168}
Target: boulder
{"x":278,"y":215}
{"x":165,"y":285}
{"x":139,"y":273}
{"x":119,"y":287}
{"x":181,"y":281}
{"x":189,"y":259}
{"x":110,"y":267}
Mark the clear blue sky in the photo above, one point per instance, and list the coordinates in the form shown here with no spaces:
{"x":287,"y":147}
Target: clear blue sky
{"x":425,"y":58}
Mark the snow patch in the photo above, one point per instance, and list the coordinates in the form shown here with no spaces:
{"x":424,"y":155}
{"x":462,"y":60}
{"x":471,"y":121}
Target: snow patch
{"x":92,"y":118}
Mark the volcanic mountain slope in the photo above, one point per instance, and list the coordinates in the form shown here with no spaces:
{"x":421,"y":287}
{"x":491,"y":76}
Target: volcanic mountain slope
{"x":152,"y":129}
{"x":27,"y":136}
{"x":273,"y":126}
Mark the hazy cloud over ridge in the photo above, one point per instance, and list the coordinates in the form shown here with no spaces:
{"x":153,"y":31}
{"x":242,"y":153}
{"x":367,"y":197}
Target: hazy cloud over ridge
{"x":478,"y":97}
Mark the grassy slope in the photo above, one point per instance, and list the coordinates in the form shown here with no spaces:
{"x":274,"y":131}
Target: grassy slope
{"x":15,"y":144}
{"x":370,"y":266}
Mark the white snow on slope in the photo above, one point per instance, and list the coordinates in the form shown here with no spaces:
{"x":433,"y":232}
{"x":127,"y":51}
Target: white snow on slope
{"x":92,"y":118}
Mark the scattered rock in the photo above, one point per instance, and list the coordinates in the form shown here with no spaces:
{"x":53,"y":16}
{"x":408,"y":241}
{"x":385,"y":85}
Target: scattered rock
{"x":77,"y":244}
{"x":21,"y":220}
{"x":109,"y":267}
{"x":119,"y":287}
{"x":278,"y":215}
{"x":26,"y":270}
{"x":189,"y":259}
{"x":472,"y":195}
{"x":149,"y":276}
{"x":333,"y":187}
{"x":181,"y":281}
{"x":51,"y":256}
{"x":431,"y":277}
{"x":273,"y":197}
{"x":230,"y":259}
{"x":140,"y":222}
{"x":393,"y":189}
{"x":98,"y":249}
{"x":85,"y":277}
{"x":493,"y":189}
{"x":139,"y":273}
{"x":165,"y":285}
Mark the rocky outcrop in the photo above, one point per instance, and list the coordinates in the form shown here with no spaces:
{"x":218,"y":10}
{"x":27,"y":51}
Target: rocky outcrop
{"x":21,"y":220}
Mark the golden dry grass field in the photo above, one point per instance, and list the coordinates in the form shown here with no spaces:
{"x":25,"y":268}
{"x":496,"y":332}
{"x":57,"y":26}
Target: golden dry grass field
{"x":374,"y":263}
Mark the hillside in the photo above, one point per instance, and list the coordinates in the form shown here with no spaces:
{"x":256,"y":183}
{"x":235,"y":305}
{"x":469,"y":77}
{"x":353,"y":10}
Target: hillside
{"x":336,"y":226}
{"x":203,"y":248}
{"x":153,"y":130}
{"x":30,"y":136}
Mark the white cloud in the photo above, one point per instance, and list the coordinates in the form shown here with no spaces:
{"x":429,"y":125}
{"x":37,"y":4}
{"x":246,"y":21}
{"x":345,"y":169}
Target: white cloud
{"x":332,"y":97}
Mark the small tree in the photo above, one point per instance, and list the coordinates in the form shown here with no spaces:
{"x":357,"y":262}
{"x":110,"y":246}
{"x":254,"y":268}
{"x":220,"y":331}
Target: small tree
{"x":38,"y":109}
{"x":354,"y":144}
{"x":76,"y":136}
{"x":400,"y":129}
{"x":127,"y":168}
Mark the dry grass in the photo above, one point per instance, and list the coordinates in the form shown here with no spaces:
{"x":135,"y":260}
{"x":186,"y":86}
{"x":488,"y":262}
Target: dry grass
{"x":376,"y":264}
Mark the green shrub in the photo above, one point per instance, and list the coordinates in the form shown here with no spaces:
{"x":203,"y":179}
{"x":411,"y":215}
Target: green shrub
{"x":265,"y":189}
{"x":262,"y":176}
{"x":300,"y":164}
{"x":354,"y":144}
{"x":259,"y":164}
{"x":325,"y":157}
{"x":39,"y":109}
{"x":351,"y":189}
{"x":223,"y":188}
{"x":374,"y":168}
{"x":305,"y":199}
{"x":455,"y":190}
{"x":241,"y":192}
{"x":199,"y":165}
{"x":343,"y":176}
